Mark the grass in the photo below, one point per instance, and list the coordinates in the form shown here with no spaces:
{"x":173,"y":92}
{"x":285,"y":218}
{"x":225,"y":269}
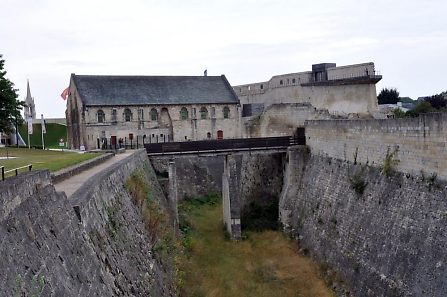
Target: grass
{"x":51,"y":138}
{"x":166,"y":247}
{"x":265,"y":264}
{"x":40,"y":159}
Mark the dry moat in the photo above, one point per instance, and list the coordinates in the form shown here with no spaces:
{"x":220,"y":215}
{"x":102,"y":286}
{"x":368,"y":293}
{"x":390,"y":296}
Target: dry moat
{"x":262,"y":264}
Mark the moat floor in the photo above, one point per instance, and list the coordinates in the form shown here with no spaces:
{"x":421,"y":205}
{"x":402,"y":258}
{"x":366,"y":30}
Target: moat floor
{"x":264,"y":264}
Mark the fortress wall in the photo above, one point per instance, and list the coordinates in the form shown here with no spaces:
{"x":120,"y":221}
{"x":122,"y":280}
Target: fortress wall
{"x":388,"y":241}
{"x":100,"y":249}
{"x":419,"y":143}
{"x":196,"y":175}
{"x":281,"y":120}
{"x":261,"y":178}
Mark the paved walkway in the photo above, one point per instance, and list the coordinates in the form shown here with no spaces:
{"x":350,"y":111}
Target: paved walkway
{"x":70,"y":185}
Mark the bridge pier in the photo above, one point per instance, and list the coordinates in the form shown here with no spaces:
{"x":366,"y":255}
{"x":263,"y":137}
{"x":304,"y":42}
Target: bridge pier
{"x":173,"y":191}
{"x":231,"y":198}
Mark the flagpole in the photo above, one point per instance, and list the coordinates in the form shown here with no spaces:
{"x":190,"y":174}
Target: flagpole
{"x":43,"y":142}
{"x":29,"y":144}
{"x":43,"y":130}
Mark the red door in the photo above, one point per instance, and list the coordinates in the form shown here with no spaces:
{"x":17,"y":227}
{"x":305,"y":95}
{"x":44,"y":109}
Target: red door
{"x":220,"y":134}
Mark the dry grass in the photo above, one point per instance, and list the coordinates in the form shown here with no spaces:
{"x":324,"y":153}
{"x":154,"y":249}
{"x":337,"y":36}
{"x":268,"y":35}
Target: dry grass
{"x":152,"y":216}
{"x":265,"y":264}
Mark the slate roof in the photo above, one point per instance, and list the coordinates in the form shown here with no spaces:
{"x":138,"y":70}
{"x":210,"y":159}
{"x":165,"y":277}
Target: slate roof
{"x":103,"y":90}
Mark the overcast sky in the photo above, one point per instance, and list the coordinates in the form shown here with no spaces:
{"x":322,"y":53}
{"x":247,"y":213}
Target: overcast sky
{"x":247,"y":40}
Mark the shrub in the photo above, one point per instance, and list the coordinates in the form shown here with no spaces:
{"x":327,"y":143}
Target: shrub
{"x":358,"y":183}
{"x":389,"y":162}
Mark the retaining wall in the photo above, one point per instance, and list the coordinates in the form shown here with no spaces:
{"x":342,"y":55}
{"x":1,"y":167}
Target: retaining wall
{"x":419,"y":143}
{"x":97,"y":248}
{"x":389,"y":240}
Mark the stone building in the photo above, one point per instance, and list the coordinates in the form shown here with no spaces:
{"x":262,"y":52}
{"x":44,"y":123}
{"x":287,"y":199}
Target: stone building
{"x":151,"y":109}
{"x":342,"y":91}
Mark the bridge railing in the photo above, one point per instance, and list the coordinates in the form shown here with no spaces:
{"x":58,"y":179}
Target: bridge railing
{"x":223,"y":144}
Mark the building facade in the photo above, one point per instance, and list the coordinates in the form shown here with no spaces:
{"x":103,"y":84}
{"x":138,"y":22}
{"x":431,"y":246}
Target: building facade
{"x":341,"y":91}
{"x":149,"y":109}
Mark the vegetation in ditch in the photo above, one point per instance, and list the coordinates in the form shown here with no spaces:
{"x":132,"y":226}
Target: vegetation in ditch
{"x":264,"y":264}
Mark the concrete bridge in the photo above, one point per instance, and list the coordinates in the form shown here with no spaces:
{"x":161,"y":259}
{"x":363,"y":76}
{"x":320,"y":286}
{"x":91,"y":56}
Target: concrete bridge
{"x":229,"y":153}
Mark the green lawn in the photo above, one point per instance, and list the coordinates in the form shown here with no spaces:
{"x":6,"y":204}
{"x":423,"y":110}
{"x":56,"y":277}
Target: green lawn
{"x":51,"y":138}
{"x":52,"y":160}
{"x":265,"y":264}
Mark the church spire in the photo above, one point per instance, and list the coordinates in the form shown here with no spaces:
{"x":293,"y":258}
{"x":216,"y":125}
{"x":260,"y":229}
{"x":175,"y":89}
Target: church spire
{"x":28,"y":92}
{"x":30,"y":109}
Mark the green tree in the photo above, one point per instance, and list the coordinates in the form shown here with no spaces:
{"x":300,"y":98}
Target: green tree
{"x":398,"y":113}
{"x":388,"y":96}
{"x":437,"y":101}
{"x":9,"y":105}
{"x":422,"y":107}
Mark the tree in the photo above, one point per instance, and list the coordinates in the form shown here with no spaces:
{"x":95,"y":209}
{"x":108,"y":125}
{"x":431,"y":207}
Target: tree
{"x":388,"y":96}
{"x":422,"y":107}
{"x":9,"y":105}
{"x":398,"y":113}
{"x":437,"y":101}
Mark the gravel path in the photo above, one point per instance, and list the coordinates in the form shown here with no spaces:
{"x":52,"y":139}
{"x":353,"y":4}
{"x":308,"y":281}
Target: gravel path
{"x":70,"y":185}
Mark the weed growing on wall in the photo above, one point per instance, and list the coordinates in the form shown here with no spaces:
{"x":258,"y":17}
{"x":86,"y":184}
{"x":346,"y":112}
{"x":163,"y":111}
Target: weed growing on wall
{"x":166,"y":246}
{"x":35,"y":289}
{"x":358,"y":183}
{"x":430,"y":181}
{"x":390,"y":162}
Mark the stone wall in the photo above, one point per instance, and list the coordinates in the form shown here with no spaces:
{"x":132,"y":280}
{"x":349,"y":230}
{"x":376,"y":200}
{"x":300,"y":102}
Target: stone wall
{"x":261,"y":178}
{"x":281,"y":120}
{"x":417,"y":144}
{"x":387,"y":241}
{"x":93,"y":245}
{"x":196,"y":175}
{"x":348,"y":98}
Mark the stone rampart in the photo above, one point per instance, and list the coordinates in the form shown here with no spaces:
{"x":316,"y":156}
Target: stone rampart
{"x":415,"y":144}
{"x":384,"y":236}
{"x":99,"y":247}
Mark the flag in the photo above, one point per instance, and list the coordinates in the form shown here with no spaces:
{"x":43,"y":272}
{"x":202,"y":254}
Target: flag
{"x":44,"y":130}
{"x":30,"y":125}
{"x":65,"y":93}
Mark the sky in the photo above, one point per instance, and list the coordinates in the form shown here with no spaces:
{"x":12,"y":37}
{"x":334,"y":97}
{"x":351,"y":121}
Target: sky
{"x":247,"y":40}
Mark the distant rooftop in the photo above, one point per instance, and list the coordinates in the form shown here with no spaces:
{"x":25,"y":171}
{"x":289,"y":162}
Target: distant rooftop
{"x":103,"y":90}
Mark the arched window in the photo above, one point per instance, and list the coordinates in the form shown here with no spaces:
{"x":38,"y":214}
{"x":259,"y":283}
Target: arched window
{"x":101,"y":116}
{"x":203,"y":113}
{"x":183,"y":113}
{"x":127,"y":115}
{"x":154,"y":114}
{"x":226,"y":112}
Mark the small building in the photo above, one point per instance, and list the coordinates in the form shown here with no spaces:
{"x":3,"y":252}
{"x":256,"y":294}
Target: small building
{"x":149,"y":109}
{"x":342,"y":91}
